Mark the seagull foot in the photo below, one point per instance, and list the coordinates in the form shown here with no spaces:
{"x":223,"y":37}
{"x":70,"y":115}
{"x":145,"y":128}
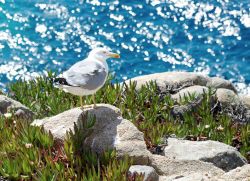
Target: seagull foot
{"x":88,"y":106}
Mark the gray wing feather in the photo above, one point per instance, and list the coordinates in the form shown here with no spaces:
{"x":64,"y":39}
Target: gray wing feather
{"x":86,"y":74}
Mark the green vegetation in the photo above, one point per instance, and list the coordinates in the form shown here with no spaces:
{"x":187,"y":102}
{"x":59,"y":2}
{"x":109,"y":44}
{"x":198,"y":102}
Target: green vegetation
{"x":28,"y":153}
{"x":150,"y":112}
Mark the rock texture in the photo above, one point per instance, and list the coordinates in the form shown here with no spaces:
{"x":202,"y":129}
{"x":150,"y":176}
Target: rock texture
{"x":220,"y":154}
{"x":196,"y":90}
{"x":227,"y":97}
{"x":193,"y":176}
{"x":110,"y":131}
{"x":238,"y":174}
{"x":177,"y":80}
{"x":193,"y":170}
{"x":173,"y":169}
{"x":9,"y":105}
{"x":246,"y":101}
{"x":148,"y":172}
{"x":217,"y":82}
{"x":180,"y":84}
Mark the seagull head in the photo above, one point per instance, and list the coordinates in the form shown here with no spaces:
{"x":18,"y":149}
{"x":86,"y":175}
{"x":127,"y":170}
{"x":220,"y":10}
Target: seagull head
{"x":102,"y":54}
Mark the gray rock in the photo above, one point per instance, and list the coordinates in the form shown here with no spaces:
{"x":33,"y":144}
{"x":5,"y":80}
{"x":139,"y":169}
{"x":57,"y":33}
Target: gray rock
{"x":233,"y":105}
{"x":227,"y":97}
{"x":220,"y":154}
{"x":217,"y":82}
{"x":179,"y":80}
{"x":8,"y":105}
{"x":192,"y":176}
{"x":110,"y":131}
{"x":172,"y":168}
{"x":238,"y":174}
{"x":148,"y":172}
{"x":178,"y":111}
{"x":193,"y":90}
{"x":246,"y":101}
{"x":171,"y":79}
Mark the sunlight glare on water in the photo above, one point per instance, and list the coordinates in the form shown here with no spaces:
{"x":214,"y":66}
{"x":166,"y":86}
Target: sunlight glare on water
{"x":212,"y":37}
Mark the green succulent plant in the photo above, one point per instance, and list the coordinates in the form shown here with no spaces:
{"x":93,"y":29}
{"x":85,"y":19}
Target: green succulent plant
{"x":30,"y":153}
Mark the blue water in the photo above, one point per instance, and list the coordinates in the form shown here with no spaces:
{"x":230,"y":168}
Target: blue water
{"x":208,"y":36}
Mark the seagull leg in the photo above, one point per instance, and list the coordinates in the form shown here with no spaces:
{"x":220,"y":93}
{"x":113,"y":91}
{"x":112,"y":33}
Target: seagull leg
{"x":81,"y":101}
{"x":93,"y":97}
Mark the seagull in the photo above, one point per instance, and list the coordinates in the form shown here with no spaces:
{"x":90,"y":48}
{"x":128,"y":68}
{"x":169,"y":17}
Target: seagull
{"x":86,"y":77}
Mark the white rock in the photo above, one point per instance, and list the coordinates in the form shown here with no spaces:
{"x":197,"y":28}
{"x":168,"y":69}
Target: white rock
{"x":148,"y":172}
{"x":246,"y":101}
{"x":172,"y":168}
{"x":193,"y":90}
{"x":179,"y":79}
{"x":217,"y":82}
{"x":227,"y":97}
{"x":238,"y":174}
{"x":110,"y":131}
{"x":192,"y":176}
{"x":220,"y":154}
{"x":171,"y":79}
{"x":7,"y":104}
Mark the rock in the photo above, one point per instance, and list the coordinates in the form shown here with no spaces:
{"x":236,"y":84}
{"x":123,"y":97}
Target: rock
{"x":171,"y":79}
{"x":227,"y":97}
{"x":172,"y":168}
{"x":238,"y":174}
{"x":175,"y":81}
{"x":217,"y":82}
{"x":7,"y":105}
{"x":178,"y":111}
{"x":110,"y":131}
{"x":193,"y":90}
{"x":233,"y":105}
{"x":148,"y":172}
{"x":221,"y":155}
{"x":246,"y":101}
{"x":192,"y":176}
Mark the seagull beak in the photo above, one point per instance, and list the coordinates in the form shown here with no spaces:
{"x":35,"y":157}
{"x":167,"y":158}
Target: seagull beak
{"x":114,"y":55}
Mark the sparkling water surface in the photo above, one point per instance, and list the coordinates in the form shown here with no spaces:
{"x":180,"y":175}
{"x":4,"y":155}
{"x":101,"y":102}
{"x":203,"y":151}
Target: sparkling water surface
{"x":208,"y":36}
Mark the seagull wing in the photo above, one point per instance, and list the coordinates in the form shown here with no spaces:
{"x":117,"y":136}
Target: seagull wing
{"x":86,"y":74}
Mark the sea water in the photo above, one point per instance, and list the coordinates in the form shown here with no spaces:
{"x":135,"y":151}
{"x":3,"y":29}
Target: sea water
{"x":207,"y":36}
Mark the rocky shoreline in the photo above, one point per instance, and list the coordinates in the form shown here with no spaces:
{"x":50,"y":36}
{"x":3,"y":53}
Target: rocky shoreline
{"x":180,"y":84}
{"x":181,"y":159}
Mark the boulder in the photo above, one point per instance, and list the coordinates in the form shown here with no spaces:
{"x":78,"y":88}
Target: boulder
{"x":221,"y":155}
{"x":9,"y":105}
{"x":246,"y":101}
{"x":192,"y":176}
{"x":148,"y":172}
{"x":195,"y":90}
{"x":178,"y":111}
{"x":173,"y":169}
{"x":217,"y":82}
{"x":227,"y":97}
{"x":240,"y":173}
{"x":110,"y":131}
{"x":178,"y":80}
{"x":174,"y":80}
